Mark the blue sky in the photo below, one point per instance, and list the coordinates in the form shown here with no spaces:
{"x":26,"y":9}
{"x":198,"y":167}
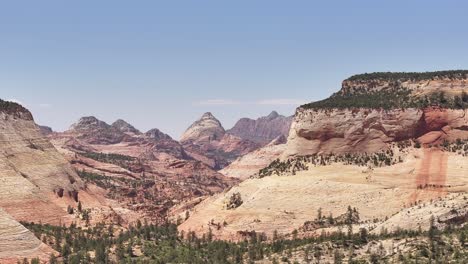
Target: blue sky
{"x":164,"y":63}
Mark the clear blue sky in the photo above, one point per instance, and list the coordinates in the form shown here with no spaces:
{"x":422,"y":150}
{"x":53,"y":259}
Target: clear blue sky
{"x":163,"y":63}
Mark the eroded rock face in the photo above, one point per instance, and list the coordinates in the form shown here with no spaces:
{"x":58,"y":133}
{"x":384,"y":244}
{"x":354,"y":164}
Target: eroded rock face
{"x":370,"y":130}
{"x":32,"y":175}
{"x":262,"y":130}
{"x":31,"y":169}
{"x":343,"y":131}
{"x":336,"y":129}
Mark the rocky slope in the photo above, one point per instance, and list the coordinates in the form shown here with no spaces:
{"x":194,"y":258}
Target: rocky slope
{"x":36,"y":183}
{"x":32,"y":171}
{"x":251,"y":163}
{"x":45,"y":130}
{"x":206,"y":140}
{"x":17,"y":242}
{"x":262,"y":130}
{"x":371,"y":111}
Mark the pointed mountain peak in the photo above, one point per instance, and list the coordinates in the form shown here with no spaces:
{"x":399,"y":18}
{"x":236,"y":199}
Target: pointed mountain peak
{"x":206,"y":128}
{"x":156,"y":134}
{"x":208,"y":115}
{"x":89,"y":122}
{"x":125,"y":127}
{"x":273,"y":115}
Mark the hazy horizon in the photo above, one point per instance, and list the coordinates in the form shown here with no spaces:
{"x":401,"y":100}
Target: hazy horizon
{"x":163,"y":64}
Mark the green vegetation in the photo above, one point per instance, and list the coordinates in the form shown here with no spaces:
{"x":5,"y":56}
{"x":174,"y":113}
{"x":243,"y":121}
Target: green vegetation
{"x":234,"y":201}
{"x":107,"y":157}
{"x":459,"y":146}
{"x":301,"y":163}
{"x":119,"y":187}
{"x":143,"y":243}
{"x":363,"y":94}
{"x":389,"y":98}
{"x":148,"y":243}
{"x":127,"y":162}
{"x":413,"y":76}
{"x":12,"y":108}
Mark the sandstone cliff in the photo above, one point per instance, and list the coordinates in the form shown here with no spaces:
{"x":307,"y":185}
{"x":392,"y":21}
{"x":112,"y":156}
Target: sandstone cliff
{"x":371,"y":111}
{"x":36,"y":183}
{"x":17,"y":242}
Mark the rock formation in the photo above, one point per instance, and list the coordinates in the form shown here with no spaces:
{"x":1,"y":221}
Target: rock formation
{"x":262,"y":130}
{"x":371,"y":111}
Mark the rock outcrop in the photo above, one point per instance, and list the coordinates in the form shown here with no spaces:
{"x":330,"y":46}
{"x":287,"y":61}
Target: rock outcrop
{"x":367,"y":114}
{"x":262,"y":130}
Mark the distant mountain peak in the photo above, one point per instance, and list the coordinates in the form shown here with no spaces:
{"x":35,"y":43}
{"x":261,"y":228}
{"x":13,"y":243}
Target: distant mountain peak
{"x":208,"y":115}
{"x":89,"y":122}
{"x":262,"y":130}
{"x":273,"y":115}
{"x":156,"y":134}
{"x":208,"y":127}
{"x":125,"y":127}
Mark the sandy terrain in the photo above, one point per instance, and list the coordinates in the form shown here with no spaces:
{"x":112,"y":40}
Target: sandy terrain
{"x":284,"y":203}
